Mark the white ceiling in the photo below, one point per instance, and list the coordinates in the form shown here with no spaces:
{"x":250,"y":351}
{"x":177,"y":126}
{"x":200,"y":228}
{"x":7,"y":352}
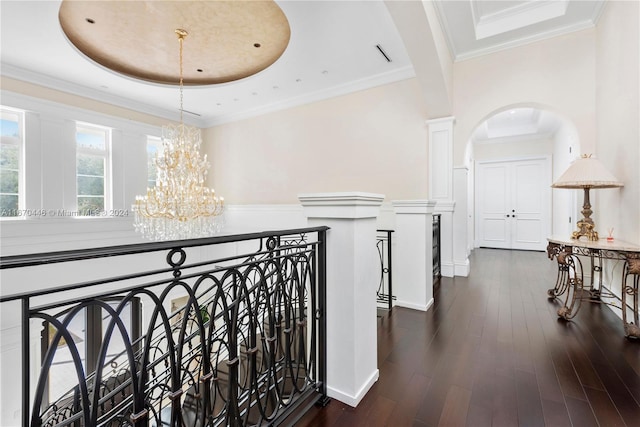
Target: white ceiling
{"x":332,"y":51}
{"x":518,"y":124}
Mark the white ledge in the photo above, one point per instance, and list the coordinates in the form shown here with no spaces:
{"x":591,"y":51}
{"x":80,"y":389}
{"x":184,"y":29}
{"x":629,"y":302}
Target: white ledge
{"x":341,"y":199}
{"x":341,"y":205}
{"x":445,"y":206}
{"x":413,"y":206}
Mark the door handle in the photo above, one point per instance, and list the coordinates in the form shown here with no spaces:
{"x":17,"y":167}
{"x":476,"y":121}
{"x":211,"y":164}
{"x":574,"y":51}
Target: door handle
{"x":507,"y":216}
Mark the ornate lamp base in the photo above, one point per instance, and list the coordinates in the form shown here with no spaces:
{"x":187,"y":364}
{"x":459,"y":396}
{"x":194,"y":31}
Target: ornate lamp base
{"x":585,"y":228}
{"x":586,"y":225}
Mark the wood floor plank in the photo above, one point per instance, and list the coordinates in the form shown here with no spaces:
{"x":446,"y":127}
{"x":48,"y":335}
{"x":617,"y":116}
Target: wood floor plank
{"x":555,"y":413}
{"x":626,"y":405}
{"x":411,"y":398}
{"x":580,"y":413}
{"x":583,"y":365}
{"x":604,"y":409}
{"x":380,"y":414}
{"x":456,"y":406}
{"x":394,"y":379}
{"x":481,"y":402}
{"x":529,"y":404}
{"x":569,"y":381}
{"x":505,"y":404}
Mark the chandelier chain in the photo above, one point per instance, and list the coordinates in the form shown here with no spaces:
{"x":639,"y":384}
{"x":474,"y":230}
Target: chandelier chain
{"x":181,"y":35}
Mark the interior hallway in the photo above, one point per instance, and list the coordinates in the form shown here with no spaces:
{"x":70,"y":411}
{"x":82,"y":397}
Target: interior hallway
{"x":492,"y":352}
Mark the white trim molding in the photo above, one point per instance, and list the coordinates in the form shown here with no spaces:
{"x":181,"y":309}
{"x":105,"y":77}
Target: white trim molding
{"x":353,"y":400}
{"x":412,"y":305}
{"x":342,"y":205}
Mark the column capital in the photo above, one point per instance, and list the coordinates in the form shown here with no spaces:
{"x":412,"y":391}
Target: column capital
{"x":445,"y":206}
{"x":413,"y":206}
{"x":352,"y":205}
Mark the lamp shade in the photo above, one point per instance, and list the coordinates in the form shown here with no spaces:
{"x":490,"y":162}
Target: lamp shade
{"x":587,"y":172}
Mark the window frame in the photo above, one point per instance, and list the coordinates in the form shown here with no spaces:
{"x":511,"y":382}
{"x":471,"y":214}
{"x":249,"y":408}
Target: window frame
{"x":93,"y":335}
{"x":18,"y":141}
{"x":107,"y":156}
{"x":156,"y":141}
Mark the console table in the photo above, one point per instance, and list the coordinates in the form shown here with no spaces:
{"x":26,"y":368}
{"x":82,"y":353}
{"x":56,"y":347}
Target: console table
{"x":570,"y":284}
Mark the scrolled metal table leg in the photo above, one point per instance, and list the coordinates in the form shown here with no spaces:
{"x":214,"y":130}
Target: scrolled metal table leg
{"x":631,"y":271}
{"x":554,"y":251}
{"x":573,"y":285}
{"x":596,"y":268}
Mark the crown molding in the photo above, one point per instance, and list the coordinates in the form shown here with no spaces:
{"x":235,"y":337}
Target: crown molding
{"x":579,"y":26}
{"x":57,"y":110}
{"x":65,"y":86}
{"x":397,"y":75}
{"x":597,"y":12}
{"x":444,"y":23}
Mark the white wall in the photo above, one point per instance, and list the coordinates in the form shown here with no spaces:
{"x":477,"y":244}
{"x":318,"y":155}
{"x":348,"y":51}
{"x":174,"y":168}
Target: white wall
{"x":557,"y":74}
{"x":373,"y":140}
{"x":618,"y":126}
{"x":510,"y":149}
{"x":618,"y":118}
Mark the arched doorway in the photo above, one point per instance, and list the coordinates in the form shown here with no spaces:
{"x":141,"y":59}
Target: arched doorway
{"x":513,"y":156}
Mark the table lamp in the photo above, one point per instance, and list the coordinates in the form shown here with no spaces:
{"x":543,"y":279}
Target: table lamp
{"x":586,"y":173}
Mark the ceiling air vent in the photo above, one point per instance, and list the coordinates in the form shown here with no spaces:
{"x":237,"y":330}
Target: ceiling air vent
{"x":383,"y":53}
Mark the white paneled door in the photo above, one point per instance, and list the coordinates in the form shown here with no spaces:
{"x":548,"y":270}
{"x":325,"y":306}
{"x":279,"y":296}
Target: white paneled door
{"x":513,"y":203}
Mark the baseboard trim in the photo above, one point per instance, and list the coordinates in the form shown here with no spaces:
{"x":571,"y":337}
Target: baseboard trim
{"x":447,"y":269}
{"x":350,"y":400}
{"x":462,"y":268}
{"x":413,"y":305}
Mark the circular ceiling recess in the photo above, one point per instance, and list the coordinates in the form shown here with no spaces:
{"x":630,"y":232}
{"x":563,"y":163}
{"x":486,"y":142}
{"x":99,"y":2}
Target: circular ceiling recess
{"x":227,"y":41}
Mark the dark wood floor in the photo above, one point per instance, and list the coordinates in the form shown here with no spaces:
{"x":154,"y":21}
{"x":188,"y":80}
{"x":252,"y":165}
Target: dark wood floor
{"x":492,"y":352}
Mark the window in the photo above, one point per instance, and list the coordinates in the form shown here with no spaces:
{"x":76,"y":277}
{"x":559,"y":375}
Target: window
{"x":154,"y":146}
{"x":11,"y":145}
{"x":92,"y":169}
{"x":87,"y":328}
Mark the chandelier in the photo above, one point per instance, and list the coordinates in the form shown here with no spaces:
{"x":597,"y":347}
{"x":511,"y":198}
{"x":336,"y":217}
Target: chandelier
{"x":180,"y":206}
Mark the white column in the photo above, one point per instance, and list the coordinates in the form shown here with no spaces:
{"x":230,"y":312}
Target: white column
{"x":441,"y":186}
{"x":441,"y":159}
{"x":352,"y":365}
{"x":413,"y":254}
{"x":460,"y":221}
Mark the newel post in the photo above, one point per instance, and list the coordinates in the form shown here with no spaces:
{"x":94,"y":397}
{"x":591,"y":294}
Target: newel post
{"x":352,"y":366}
{"x":413,"y":254}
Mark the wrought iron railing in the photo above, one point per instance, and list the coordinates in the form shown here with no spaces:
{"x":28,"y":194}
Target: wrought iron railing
{"x":435,"y":252}
{"x":384,"y":293}
{"x":237,"y":340}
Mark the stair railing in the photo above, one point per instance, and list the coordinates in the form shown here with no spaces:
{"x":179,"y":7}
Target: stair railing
{"x":246,"y":345}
